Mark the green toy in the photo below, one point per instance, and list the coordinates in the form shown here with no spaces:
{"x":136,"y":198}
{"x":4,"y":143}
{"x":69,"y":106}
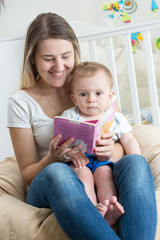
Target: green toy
{"x":158,"y":43}
{"x":117,"y":7}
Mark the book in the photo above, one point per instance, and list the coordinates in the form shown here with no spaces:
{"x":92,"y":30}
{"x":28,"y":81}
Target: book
{"x":85,"y":133}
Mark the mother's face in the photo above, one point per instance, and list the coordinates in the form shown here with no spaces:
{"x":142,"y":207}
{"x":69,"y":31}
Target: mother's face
{"x":54,"y":60}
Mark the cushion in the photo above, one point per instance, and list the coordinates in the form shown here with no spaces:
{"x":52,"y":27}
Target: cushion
{"x":10,"y":179}
{"x":148,"y":138}
{"x":22,"y":221}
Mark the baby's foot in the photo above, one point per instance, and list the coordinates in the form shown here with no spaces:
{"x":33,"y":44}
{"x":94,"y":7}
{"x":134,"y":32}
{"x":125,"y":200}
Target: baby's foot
{"x":103,"y":207}
{"x":115,"y":210}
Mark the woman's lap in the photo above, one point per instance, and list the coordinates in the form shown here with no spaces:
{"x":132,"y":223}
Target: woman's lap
{"x":58,"y":187}
{"x":135,"y":184}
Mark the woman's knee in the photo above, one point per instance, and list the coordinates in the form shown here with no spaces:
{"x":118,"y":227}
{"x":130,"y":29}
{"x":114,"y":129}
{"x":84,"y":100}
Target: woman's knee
{"x":132,"y":161}
{"x":56,"y":173}
{"x":132,"y":168}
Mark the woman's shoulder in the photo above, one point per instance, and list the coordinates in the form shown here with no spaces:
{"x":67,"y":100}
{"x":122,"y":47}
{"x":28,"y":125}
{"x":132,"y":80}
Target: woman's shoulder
{"x":21,"y":98}
{"x":21,"y":103}
{"x":20,"y":95}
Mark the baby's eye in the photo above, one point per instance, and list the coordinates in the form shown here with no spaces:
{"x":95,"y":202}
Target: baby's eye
{"x":98,"y":93}
{"x":82,"y":94}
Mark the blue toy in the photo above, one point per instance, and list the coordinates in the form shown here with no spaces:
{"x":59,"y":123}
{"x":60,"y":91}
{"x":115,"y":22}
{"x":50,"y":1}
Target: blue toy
{"x":135,"y":37}
{"x":154,"y":6}
{"x":118,"y":7}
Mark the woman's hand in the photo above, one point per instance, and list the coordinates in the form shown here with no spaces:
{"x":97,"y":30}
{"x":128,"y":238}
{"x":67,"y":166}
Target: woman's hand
{"x":62,"y":153}
{"x":105,"y":147}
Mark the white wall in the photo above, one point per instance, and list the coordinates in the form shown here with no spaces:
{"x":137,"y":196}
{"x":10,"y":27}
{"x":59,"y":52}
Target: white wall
{"x":17,"y":14}
{"x":11,"y":53}
{"x":14,"y":20}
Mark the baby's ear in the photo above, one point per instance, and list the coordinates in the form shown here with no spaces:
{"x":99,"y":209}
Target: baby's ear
{"x":73,"y":99}
{"x":111,"y":95}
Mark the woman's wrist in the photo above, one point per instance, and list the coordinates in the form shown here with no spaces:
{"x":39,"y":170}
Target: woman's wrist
{"x":48,"y":159}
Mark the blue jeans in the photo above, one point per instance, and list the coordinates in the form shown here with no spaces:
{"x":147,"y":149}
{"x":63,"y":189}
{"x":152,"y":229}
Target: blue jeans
{"x":58,"y":187}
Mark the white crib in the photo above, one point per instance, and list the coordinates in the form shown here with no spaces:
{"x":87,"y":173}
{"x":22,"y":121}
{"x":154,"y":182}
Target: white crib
{"x":112,"y":40}
{"x":109,"y":46}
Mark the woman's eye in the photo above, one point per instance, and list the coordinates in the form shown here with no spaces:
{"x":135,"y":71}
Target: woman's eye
{"x":64,"y":57}
{"x":49,"y":59}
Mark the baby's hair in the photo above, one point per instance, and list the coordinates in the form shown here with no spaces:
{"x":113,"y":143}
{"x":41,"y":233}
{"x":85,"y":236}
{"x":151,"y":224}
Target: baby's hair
{"x":89,"y":69}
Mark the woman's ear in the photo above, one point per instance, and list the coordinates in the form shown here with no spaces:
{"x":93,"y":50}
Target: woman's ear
{"x":73,"y":99}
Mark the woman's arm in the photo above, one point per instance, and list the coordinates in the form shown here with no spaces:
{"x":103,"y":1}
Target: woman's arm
{"x":25,"y":152}
{"x":118,"y":152}
{"x":26,"y":155}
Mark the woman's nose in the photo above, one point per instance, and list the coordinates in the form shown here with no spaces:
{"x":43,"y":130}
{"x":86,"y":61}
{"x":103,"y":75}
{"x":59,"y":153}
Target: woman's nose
{"x":58,"y":65}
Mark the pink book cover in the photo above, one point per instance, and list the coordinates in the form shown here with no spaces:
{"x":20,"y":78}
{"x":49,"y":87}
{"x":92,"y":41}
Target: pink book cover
{"x":84,"y":133}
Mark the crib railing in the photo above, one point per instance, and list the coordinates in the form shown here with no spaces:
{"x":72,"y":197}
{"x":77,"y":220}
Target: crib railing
{"x":12,"y":46}
{"x":125,"y":31}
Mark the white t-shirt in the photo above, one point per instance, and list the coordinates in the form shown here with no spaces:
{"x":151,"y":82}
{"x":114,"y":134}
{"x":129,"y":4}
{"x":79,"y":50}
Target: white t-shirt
{"x":25,"y":112}
{"x":119,"y":126}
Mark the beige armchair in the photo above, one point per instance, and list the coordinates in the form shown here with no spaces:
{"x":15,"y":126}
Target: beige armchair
{"x":22,"y":221}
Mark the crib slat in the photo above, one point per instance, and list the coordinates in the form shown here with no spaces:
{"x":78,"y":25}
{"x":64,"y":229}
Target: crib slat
{"x":112,"y":65}
{"x":126,"y":31}
{"x":132,"y":79}
{"x":151,"y":78}
{"x":92,"y":50}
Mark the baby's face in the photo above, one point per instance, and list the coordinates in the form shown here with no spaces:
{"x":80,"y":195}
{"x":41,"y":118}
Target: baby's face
{"x":92,"y":94}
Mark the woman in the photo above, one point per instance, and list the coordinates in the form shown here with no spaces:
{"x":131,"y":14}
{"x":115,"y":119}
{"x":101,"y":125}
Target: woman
{"x":51,"y":52}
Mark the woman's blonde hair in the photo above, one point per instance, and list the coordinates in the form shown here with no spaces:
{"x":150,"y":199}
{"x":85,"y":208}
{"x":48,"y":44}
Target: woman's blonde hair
{"x":45,"y":26}
{"x":89,"y":69}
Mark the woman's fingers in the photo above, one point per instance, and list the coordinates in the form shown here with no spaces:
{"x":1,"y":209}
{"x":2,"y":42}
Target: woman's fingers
{"x":64,"y":154}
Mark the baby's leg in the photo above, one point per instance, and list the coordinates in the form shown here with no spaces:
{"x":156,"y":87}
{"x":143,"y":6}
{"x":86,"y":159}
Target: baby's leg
{"x":106,"y":191}
{"x":104,"y":182}
{"x":86,"y":177}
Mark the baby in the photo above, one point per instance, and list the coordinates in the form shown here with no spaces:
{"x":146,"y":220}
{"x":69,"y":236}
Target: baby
{"x":92,"y":94}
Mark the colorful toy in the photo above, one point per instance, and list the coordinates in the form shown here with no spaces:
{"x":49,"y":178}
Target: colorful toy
{"x":135,"y":37}
{"x":158,"y":43}
{"x":154,"y":6}
{"x":130,"y":6}
{"x":117,"y":7}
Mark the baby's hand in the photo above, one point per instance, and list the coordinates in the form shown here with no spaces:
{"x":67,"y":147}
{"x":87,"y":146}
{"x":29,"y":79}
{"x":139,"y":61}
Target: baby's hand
{"x":80,"y":160}
{"x":105,"y":147}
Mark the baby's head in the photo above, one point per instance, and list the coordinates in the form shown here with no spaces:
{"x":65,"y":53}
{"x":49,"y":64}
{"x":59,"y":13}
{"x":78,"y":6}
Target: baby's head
{"x":91,"y":87}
